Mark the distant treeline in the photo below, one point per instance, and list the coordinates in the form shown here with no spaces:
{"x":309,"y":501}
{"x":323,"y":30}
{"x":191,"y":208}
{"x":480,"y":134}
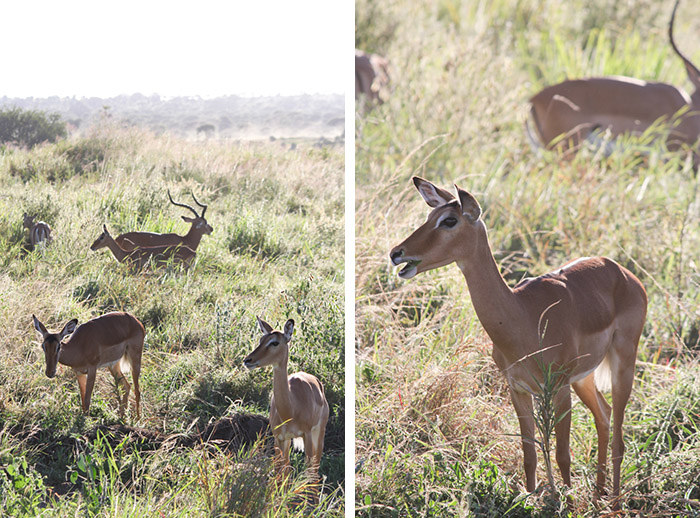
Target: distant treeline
{"x":221,"y":117}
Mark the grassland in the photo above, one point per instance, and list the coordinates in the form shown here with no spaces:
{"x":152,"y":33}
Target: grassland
{"x":436,"y":432}
{"x":276,"y":251}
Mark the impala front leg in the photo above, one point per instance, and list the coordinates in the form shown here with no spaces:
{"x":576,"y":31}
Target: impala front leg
{"x":89,"y":385}
{"x":81,"y":377}
{"x":523,"y":408}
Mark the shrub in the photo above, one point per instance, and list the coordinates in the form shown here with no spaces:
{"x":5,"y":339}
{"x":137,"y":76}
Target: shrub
{"x":27,"y":128}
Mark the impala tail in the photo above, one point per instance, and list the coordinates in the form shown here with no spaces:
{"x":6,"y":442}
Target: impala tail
{"x":603,"y":375}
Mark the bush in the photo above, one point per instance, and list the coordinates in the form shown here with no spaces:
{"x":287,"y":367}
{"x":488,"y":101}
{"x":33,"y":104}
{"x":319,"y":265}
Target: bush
{"x":27,"y":128}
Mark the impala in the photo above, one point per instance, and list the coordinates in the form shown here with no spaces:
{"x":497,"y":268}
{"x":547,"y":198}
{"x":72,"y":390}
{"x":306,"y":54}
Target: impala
{"x":583,"y":320}
{"x":114,"y":340}
{"x":198,"y":228}
{"x":568,"y":113}
{"x":38,"y":231}
{"x":371,"y":75}
{"x":298,"y":408}
{"x":138,"y":257}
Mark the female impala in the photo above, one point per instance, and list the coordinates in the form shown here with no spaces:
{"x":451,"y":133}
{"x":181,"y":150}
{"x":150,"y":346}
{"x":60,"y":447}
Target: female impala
{"x":138,"y":257}
{"x":298,"y":407}
{"x":114,"y":340}
{"x":131,"y":240}
{"x":584,"y":320}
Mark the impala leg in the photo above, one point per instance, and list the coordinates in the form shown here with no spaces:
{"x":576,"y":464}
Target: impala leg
{"x":596,"y":403}
{"x":82,"y":378}
{"x":621,"y":390}
{"x":523,"y":408}
{"x":89,"y":385}
{"x":562,"y":409}
{"x":134,"y":356}
{"x":283,"y":467}
{"x":120,"y":379}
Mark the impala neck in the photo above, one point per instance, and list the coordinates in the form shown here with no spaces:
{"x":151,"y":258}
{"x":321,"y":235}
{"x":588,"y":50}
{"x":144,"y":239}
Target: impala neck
{"x":117,"y":251}
{"x":493,"y":300}
{"x":192,"y":238}
{"x":280,"y":388}
{"x":69,"y":355}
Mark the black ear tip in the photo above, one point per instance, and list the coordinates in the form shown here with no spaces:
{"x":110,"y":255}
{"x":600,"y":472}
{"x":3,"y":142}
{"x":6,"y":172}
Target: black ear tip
{"x":290,"y":322}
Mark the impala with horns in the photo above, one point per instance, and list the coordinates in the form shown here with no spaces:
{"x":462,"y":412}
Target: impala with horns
{"x":583,"y":321}
{"x":298,"y":408}
{"x":39,"y":232}
{"x":567,"y":114}
{"x":138,"y":257}
{"x":114,"y":340}
{"x":198,"y":228}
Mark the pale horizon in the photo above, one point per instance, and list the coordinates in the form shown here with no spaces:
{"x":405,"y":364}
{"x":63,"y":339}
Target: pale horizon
{"x":84,"y":49}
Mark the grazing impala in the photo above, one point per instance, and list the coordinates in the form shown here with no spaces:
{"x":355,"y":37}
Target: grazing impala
{"x":114,"y":340}
{"x":584,"y":320}
{"x":138,"y":257}
{"x":298,"y":407}
{"x":568,"y":113}
{"x":39,"y":232}
{"x":131,"y":240}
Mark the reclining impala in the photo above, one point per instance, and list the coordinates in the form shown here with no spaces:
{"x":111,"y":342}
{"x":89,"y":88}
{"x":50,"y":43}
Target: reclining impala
{"x":567,"y":114}
{"x":131,"y":240}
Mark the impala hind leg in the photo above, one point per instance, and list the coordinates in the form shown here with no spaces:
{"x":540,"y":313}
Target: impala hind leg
{"x":523,"y":409}
{"x":599,"y":407}
{"x":562,"y":428}
{"x":621,"y":390}
{"x":134,"y":358}
{"x":120,"y":379}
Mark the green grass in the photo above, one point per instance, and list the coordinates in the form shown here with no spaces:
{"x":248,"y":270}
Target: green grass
{"x":276,"y":251}
{"x":436,"y":432}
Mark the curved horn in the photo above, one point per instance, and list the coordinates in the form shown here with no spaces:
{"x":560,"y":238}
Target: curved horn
{"x":690,"y":68}
{"x":182,"y":205}
{"x":204,"y":207}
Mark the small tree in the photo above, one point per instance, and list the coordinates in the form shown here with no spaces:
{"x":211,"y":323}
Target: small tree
{"x":28,"y":128}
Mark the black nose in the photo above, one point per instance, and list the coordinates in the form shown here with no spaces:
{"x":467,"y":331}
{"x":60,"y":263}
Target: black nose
{"x":395,"y":255}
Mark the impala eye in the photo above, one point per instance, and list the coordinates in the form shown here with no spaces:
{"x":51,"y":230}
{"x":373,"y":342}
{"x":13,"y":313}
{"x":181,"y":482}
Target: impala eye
{"x":273,"y":344}
{"x":448,"y":222}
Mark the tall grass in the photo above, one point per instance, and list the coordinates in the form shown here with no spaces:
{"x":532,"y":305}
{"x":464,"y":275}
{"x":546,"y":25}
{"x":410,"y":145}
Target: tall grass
{"x":436,"y":433}
{"x":276,"y":251}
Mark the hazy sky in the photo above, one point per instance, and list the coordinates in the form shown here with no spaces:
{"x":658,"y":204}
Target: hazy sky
{"x":206,"y":48}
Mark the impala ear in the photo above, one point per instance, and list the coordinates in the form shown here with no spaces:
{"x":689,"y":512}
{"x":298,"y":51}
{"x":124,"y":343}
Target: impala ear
{"x":470,"y":207}
{"x":39,"y":327}
{"x":187,"y":220}
{"x":68,"y":328}
{"x":289,"y":329}
{"x":265,"y":328}
{"x":432,"y":194}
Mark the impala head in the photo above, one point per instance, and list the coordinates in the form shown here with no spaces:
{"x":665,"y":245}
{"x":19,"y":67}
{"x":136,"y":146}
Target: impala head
{"x":273,"y":348}
{"x":52,"y":343}
{"x":198,"y":222}
{"x":28,"y":221}
{"x":449,"y":233}
{"x":101,"y":241}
